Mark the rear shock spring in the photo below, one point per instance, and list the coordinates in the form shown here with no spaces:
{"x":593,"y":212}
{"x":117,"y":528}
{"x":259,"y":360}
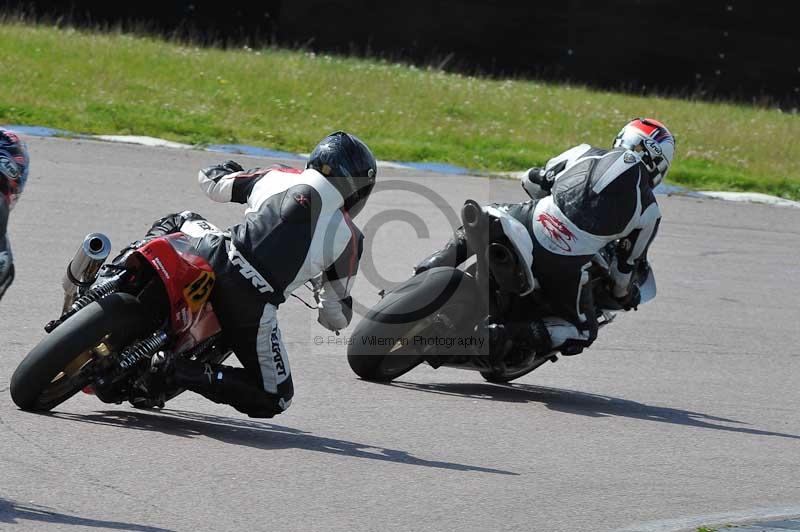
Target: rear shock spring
{"x":142,"y":349}
{"x":94,"y":294}
{"x":98,"y":292}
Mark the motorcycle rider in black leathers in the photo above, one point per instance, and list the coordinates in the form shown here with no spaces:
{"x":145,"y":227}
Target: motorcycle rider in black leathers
{"x":14,"y":163}
{"x":583,"y":199}
{"x":297,"y":226}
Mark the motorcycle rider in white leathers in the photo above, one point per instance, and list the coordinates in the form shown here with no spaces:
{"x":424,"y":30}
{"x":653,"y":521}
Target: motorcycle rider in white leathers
{"x":297,"y":226}
{"x":583,"y":199}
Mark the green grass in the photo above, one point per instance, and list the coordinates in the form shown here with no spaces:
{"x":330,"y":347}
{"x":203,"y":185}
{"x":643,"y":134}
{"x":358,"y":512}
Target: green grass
{"x":111,"y":83}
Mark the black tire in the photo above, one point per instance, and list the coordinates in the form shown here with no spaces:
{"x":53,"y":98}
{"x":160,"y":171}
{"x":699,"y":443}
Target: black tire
{"x":378,"y":365}
{"x":401,"y":314}
{"x":40,"y":382}
{"x":496,"y":377}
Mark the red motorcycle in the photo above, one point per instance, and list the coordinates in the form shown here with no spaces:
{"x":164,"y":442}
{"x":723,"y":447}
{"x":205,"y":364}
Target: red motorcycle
{"x":154,"y":298}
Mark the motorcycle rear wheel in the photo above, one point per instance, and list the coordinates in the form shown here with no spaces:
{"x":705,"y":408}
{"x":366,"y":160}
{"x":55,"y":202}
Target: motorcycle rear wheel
{"x":57,"y":368}
{"x":385,"y":361}
{"x":503,"y":377}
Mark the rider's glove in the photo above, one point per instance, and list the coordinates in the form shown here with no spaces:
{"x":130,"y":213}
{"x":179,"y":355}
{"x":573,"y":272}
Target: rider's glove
{"x":218,"y":171}
{"x":232,"y":166}
{"x":335,"y":315}
{"x":542,"y":178}
{"x":537,"y":184}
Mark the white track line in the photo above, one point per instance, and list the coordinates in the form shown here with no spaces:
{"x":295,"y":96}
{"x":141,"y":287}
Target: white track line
{"x":153,"y":141}
{"x":144,"y":141}
{"x":751,"y":197}
{"x":748,"y":197}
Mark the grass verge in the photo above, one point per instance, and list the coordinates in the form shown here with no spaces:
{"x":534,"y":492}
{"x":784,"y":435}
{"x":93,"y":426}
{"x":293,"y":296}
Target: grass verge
{"x":111,"y":83}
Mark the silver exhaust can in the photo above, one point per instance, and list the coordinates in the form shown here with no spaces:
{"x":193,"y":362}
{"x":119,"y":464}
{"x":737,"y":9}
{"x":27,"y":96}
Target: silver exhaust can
{"x":83,"y":268}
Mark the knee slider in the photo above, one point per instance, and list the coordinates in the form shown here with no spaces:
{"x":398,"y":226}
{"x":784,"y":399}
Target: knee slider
{"x":266,"y":406}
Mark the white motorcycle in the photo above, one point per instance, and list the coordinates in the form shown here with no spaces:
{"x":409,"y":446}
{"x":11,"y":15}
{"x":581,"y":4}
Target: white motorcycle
{"x":433,"y":317}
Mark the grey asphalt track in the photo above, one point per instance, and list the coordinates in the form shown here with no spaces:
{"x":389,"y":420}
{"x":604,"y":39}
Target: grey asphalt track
{"x":686,"y":408}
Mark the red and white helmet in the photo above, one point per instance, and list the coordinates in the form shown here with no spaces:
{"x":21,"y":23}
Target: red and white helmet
{"x":653,"y":141}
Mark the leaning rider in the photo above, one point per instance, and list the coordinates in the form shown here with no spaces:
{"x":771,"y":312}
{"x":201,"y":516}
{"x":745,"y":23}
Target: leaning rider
{"x":297,"y":226}
{"x":583,"y":199}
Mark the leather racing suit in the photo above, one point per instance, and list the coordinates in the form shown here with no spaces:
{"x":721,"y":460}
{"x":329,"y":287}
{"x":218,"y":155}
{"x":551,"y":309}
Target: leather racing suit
{"x":294,"y":230}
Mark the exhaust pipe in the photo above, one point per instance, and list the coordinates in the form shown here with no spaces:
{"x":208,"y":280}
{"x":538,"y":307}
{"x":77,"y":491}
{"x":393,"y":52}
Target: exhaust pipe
{"x":476,"y":228}
{"x":471,"y":214}
{"x":83,"y":268}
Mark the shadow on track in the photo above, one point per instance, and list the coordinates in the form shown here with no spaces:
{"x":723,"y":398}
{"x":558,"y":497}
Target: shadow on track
{"x":258,"y":435}
{"x":585,"y":404}
{"x":11,"y":512}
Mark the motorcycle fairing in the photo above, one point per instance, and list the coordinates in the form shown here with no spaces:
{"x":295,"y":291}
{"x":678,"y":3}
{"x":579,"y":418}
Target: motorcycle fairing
{"x":518,"y":235}
{"x":188,"y":280}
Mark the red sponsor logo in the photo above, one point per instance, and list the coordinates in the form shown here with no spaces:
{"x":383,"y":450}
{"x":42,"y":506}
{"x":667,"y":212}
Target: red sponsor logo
{"x":302,"y":199}
{"x":557,"y":232}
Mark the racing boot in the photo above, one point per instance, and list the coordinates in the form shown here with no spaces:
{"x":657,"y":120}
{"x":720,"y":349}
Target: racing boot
{"x":236,"y":387}
{"x":566,"y":337}
{"x":498,"y":338}
{"x":532,"y":336}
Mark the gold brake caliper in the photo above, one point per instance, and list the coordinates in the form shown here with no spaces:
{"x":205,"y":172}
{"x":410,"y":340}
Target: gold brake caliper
{"x":79,"y":361}
{"x":74,"y":366}
{"x":102,"y":350}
